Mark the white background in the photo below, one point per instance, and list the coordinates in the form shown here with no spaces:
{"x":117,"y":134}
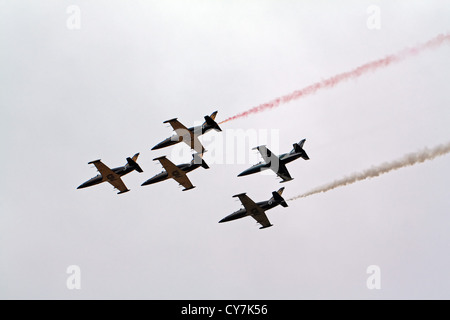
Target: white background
{"x":102,"y":92}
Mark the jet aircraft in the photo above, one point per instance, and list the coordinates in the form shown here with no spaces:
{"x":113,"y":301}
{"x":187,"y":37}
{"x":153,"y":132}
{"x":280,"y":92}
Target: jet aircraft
{"x":177,"y":172}
{"x":113,"y":176}
{"x":257,"y":210}
{"x":277,"y":164}
{"x":189,"y":136}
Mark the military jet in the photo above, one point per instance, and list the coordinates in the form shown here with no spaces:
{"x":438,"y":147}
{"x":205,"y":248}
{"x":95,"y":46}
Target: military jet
{"x":189,"y":136}
{"x":277,"y":164}
{"x":178,"y":173}
{"x":113,"y":176}
{"x":257,"y":210}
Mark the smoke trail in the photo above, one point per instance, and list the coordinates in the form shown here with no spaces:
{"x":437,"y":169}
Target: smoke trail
{"x":407,"y":160}
{"x":355,"y":73}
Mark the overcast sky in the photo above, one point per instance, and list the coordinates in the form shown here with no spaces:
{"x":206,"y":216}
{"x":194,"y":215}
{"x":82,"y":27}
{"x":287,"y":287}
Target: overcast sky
{"x":98,"y":85}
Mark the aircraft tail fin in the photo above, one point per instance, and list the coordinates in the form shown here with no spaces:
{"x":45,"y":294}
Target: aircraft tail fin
{"x":301,"y":143}
{"x":197,"y":159}
{"x":298,"y":148}
{"x":134,"y":158}
{"x":280,"y":191}
{"x":209,"y":122}
{"x":213,"y":115}
{"x":133,"y":164}
{"x":276,"y":196}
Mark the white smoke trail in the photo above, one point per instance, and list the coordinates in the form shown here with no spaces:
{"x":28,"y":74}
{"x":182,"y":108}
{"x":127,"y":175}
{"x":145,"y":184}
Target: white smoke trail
{"x":407,"y":160}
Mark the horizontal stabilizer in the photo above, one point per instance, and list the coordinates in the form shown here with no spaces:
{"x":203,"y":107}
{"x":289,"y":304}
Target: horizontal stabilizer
{"x":212,"y":124}
{"x":298,"y":148}
{"x":133,"y":164}
{"x":186,"y":189}
{"x":278,"y":198}
{"x":270,"y":225}
{"x":197,"y":159}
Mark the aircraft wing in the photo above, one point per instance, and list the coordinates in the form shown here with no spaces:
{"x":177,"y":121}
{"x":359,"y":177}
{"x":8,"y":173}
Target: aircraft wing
{"x":267,"y":155}
{"x":196,"y":145}
{"x":175,"y":173}
{"x":255,"y":211}
{"x":275,"y":164}
{"x":283,"y":173}
{"x":188,"y":136}
{"x":110,"y":176}
{"x":177,"y":126}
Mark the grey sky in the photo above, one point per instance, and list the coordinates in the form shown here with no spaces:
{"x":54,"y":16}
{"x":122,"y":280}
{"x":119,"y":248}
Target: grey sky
{"x":102,"y":91}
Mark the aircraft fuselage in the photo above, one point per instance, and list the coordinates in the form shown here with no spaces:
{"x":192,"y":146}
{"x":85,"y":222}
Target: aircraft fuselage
{"x":197,"y":131}
{"x":284,"y":158}
{"x":289,"y":157}
{"x":265,"y":205}
{"x":121,"y":171}
{"x":186,"y":167}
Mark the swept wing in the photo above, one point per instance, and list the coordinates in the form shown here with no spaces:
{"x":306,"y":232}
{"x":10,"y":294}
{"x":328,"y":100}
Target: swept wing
{"x":254,"y":210}
{"x":175,"y":173}
{"x":188,"y":136}
{"x":110,"y":176}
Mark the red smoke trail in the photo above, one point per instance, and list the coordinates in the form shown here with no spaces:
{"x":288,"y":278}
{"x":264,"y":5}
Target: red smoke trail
{"x":355,"y":73}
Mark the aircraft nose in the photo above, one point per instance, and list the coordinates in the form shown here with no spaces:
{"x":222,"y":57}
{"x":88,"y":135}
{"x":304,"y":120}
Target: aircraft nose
{"x":160,"y":145}
{"x":83,"y":185}
{"x":150,"y":181}
{"x":228,"y":218}
{"x":156,"y":147}
{"x":247,"y":172}
{"x":243,"y":173}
